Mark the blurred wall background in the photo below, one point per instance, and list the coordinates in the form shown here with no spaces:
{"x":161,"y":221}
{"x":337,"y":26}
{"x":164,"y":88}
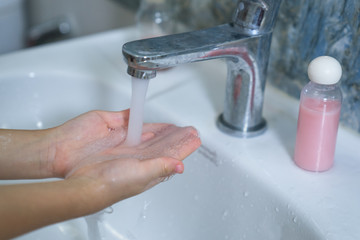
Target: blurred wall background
{"x":12,"y":25}
{"x":25,"y":23}
{"x":86,"y":16}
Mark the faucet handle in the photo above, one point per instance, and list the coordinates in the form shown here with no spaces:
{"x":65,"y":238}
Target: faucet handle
{"x":257,"y":16}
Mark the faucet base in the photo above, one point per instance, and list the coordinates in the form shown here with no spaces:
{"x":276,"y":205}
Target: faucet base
{"x":241,"y":132}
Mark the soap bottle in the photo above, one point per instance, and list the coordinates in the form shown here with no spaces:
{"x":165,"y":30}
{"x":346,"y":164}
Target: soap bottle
{"x":155,"y":18}
{"x":319,"y":114}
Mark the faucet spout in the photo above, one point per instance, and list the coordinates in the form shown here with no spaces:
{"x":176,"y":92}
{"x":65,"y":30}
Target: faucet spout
{"x":244,"y":43}
{"x":149,"y":55}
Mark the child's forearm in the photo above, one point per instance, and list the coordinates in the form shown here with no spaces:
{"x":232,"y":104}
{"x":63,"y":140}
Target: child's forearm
{"x":26,"y":207}
{"x":25,"y":154}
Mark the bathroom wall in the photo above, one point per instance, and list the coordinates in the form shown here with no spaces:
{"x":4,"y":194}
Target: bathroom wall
{"x":23,"y":21}
{"x":309,"y":28}
{"x":12,"y":25}
{"x":85,"y":16}
{"x":305,"y":29}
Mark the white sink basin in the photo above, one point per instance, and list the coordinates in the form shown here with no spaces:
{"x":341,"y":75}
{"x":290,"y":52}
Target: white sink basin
{"x":231,"y":189}
{"x":49,"y":100}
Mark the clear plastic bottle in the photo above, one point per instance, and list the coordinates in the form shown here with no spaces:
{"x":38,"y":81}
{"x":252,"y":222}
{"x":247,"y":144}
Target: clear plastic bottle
{"x":155,"y":18}
{"x":319,"y":114}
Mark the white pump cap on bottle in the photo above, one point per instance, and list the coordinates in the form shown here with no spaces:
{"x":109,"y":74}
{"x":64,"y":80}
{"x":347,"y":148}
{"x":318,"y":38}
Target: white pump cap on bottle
{"x":324,"y":70}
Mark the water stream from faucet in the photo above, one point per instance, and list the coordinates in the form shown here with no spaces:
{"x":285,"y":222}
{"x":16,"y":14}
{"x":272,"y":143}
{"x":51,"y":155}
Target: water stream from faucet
{"x":139,"y":89}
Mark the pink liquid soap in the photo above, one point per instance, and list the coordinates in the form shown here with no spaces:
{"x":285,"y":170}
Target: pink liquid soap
{"x":316,"y":134}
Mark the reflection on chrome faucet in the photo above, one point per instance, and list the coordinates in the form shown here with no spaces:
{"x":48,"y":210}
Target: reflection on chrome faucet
{"x":245,"y":43}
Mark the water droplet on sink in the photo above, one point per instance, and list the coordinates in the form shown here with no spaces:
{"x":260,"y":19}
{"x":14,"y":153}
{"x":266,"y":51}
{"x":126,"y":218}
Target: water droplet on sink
{"x":143,"y":212}
{"x":109,"y":210}
{"x":39,"y":124}
{"x":277,"y":209}
{"x":196,"y":197}
{"x":31,"y":75}
{"x":36,"y":95}
{"x":246,"y":194}
{"x":295,"y":219}
{"x":225,"y":214}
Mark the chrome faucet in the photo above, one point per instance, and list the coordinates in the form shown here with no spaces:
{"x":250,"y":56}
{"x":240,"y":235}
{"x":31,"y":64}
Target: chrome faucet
{"x":245,"y":43}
